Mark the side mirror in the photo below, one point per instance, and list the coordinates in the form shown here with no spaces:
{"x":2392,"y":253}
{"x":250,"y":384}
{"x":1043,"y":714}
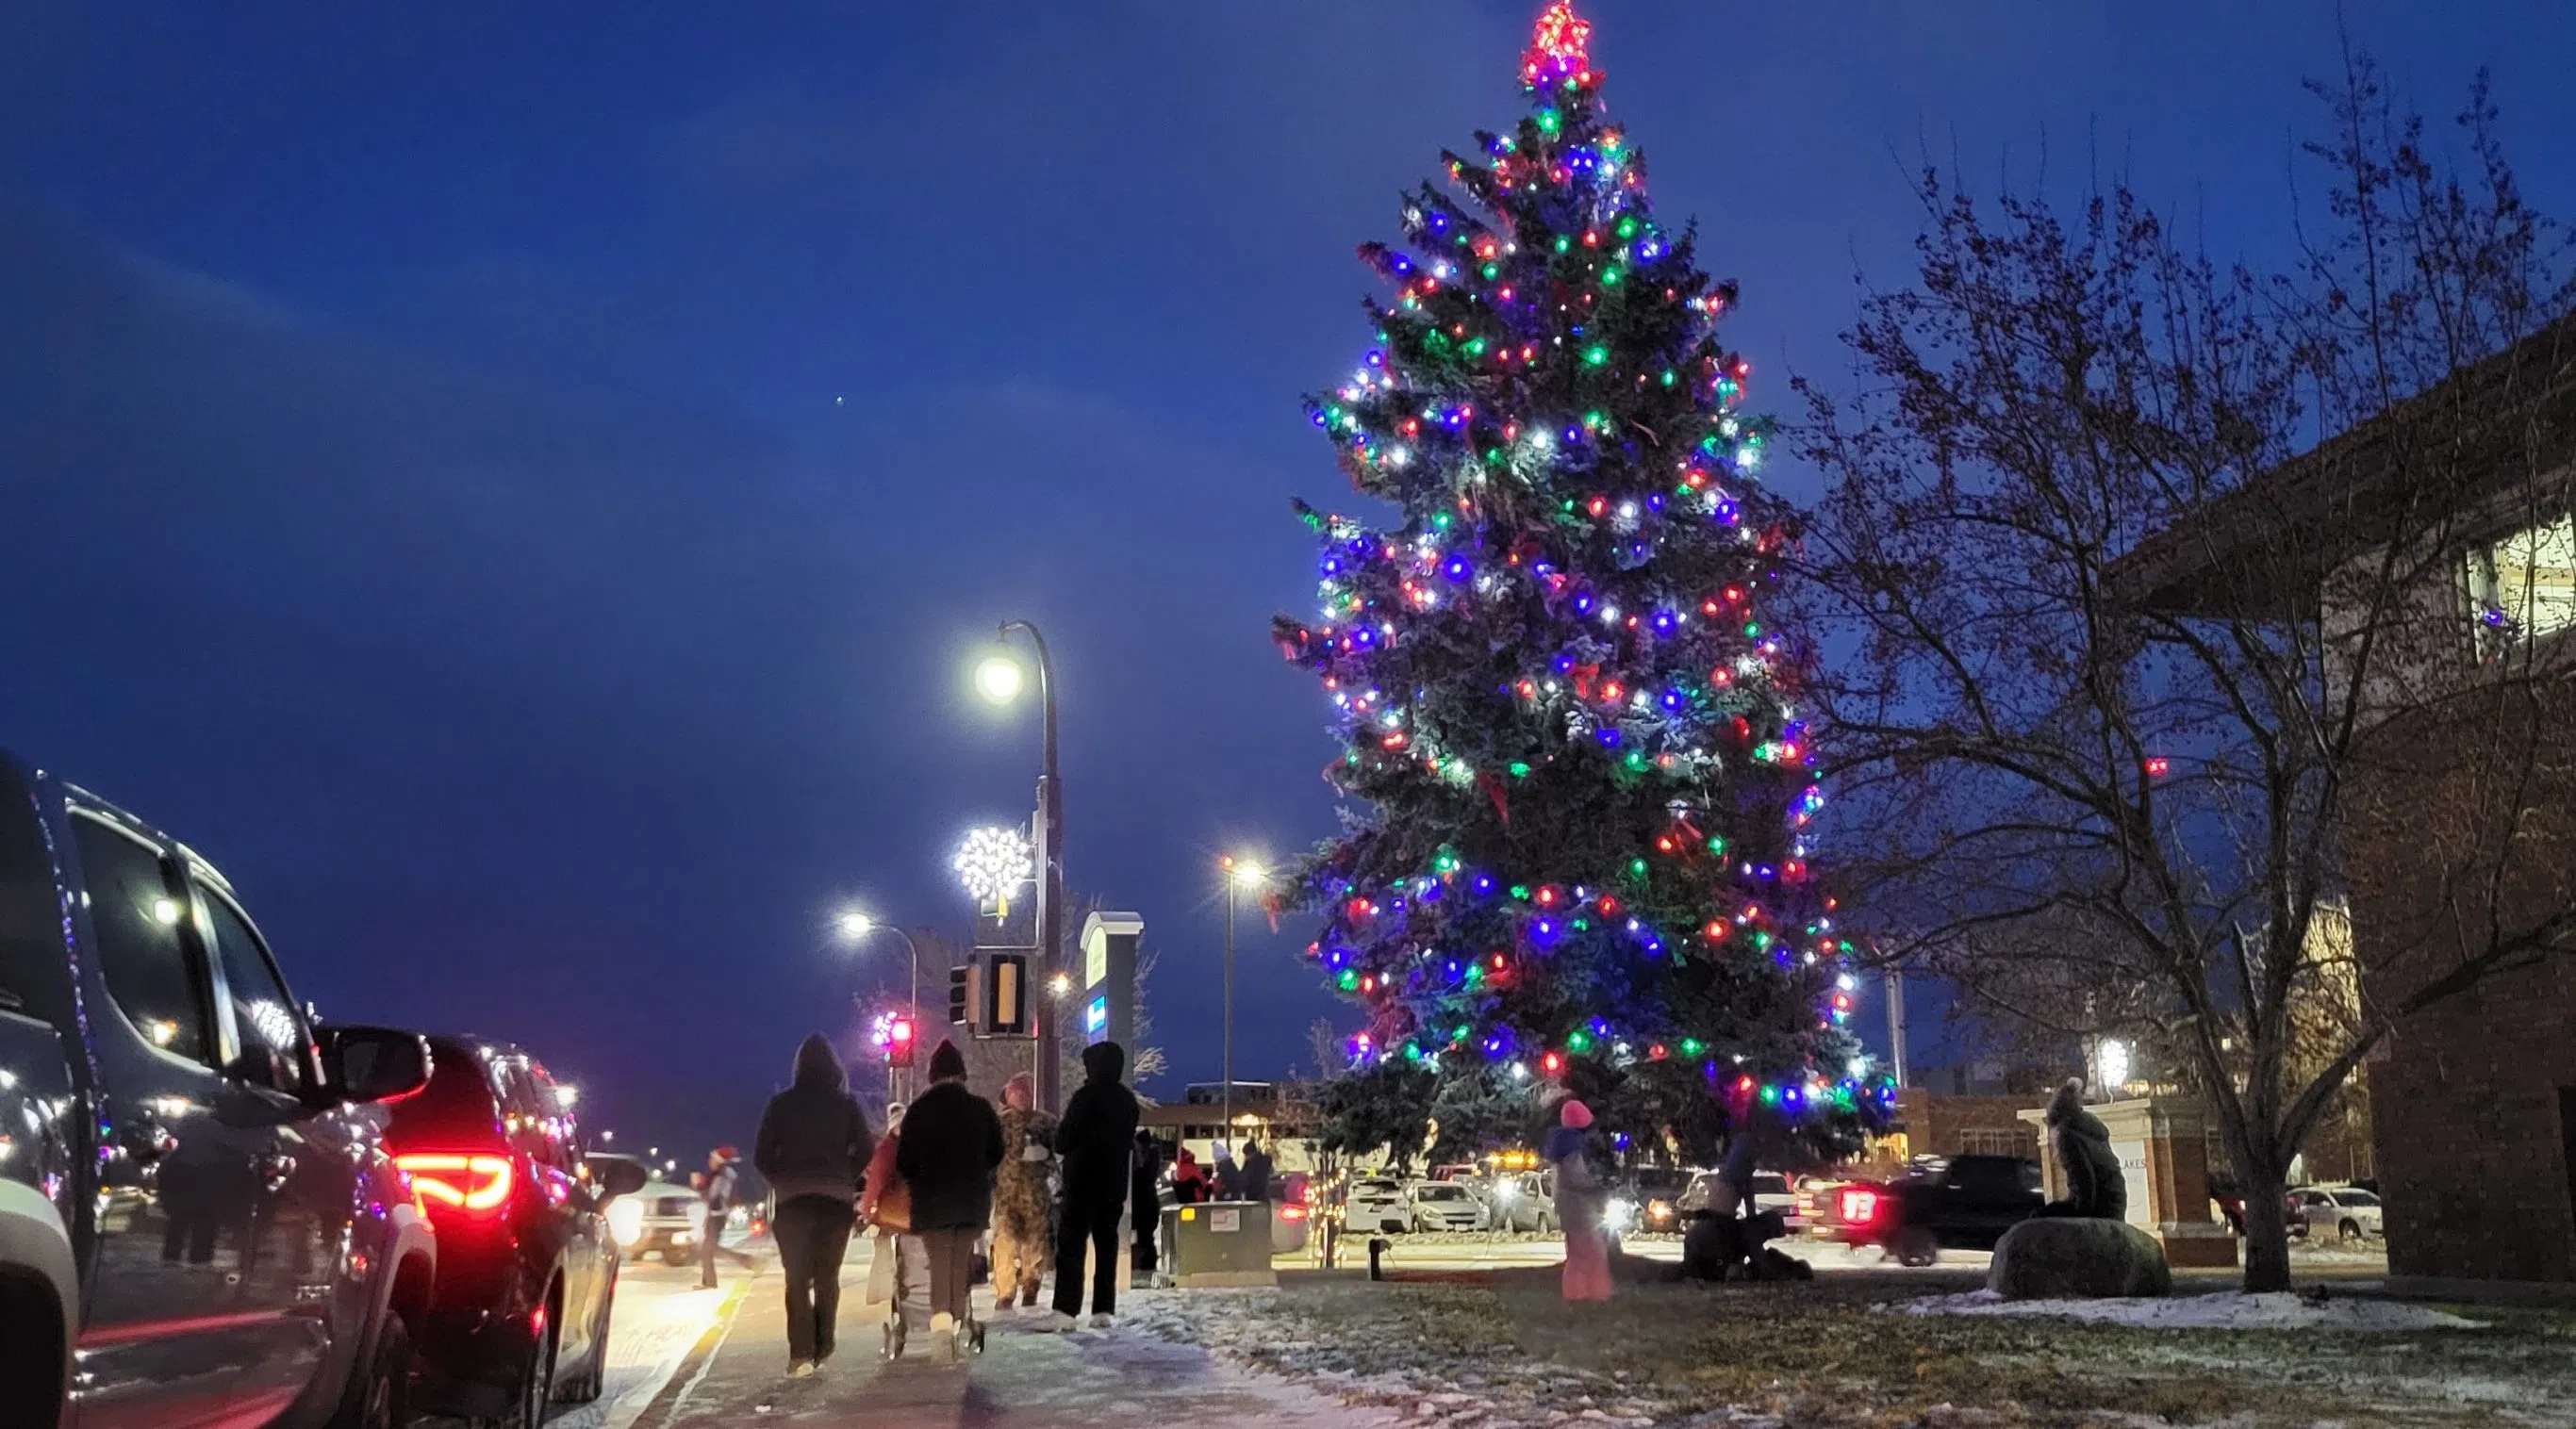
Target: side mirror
{"x":377,"y":1064}
{"x":616,"y":1176}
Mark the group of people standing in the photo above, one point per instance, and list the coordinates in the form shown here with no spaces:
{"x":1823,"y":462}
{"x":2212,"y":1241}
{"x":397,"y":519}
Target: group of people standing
{"x":948,"y":1169}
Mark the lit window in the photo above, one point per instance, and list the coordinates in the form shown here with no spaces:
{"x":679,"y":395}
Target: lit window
{"x":2525,"y":584}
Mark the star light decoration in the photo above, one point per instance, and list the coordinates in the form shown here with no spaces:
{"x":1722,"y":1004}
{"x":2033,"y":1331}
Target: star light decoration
{"x":992,"y":864}
{"x":1567,"y":616}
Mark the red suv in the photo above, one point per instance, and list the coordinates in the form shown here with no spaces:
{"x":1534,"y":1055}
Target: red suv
{"x":527,"y":1269}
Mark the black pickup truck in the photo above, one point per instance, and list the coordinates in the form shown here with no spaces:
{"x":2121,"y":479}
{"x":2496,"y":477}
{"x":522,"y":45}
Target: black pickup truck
{"x":199,"y":1223}
{"x":1951,"y":1203}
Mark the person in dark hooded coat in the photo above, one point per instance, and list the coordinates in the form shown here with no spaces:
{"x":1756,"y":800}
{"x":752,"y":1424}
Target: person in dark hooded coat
{"x":951,"y":1144}
{"x":813,"y":1149}
{"x":1097,"y":1140}
{"x":2094,"y":1183}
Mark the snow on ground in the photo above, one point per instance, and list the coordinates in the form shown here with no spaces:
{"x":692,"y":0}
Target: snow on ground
{"x":2229,"y":1311}
{"x":1493,"y":1391}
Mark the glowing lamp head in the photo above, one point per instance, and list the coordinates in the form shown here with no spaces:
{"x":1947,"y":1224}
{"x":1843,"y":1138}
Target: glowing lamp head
{"x":853,"y":924}
{"x":998,"y":678}
{"x":1243,"y":873}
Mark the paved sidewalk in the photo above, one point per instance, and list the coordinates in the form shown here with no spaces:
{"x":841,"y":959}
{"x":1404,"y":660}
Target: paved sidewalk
{"x":1026,"y":1379}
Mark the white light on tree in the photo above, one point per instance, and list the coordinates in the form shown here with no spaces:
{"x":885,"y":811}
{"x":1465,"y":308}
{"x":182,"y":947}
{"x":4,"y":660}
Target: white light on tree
{"x":992,"y":863}
{"x":2114,"y":1059}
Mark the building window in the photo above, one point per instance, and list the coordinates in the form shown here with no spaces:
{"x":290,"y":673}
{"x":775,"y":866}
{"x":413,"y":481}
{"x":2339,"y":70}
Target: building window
{"x":1990,"y":1141}
{"x":2523,"y":585}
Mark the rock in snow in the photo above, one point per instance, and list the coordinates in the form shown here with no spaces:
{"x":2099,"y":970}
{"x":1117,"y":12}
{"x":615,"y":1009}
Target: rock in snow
{"x":2082,"y":1257}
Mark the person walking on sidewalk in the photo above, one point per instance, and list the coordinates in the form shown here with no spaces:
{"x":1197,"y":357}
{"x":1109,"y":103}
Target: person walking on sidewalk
{"x":1022,"y":1245}
{"x":886,"y":1205}
{"x":952,"y":1141}
{"x":717,"y":1190}
{"x":1096,"y":1139}
{"x":813,"y":1149}
{"x":1145,"y":1204}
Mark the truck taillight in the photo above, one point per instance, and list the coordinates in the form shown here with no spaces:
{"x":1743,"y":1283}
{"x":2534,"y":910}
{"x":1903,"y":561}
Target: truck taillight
{"x":1859,"y":1207}
{"x":458,"y":1180}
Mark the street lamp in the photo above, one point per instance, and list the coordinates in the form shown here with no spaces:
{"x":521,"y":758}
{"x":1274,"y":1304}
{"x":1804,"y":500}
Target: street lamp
{"x":999,"y":679}
{"x":856,"y":924}
{"x":1239,"y":874}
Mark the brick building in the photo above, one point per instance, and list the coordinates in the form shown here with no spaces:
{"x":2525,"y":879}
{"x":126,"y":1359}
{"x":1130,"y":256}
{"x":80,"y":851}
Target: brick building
{"x":2460,"y":813}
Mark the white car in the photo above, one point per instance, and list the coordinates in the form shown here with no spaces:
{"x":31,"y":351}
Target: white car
{"x":1524,"y":1201}
{"x":1374,"y":1205}
{"x":1446,"y":1206}
{"x":663,"y":1218}
{"x":2346,"y":1214}
{"x":1771,"y":1192}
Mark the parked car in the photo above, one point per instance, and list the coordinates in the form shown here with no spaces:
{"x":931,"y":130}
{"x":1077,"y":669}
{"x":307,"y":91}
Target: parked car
{"x":527,"y":1269}
{"x":1820,"y":1205}
{"x":1958,"y":1202}
{"x":1771,"y":1192}
{"x":1525,"y":1201}
{"x":660,"y":1217}
{"x":1376,"y":1204}
{"x":2347,"y":1213}
{"x":1656,"y":1192}
{"x":1458,"y":1171}
{"x":1291,"y":1219}
{"x":1445,"y":1206}
{"x":192,"y":1191}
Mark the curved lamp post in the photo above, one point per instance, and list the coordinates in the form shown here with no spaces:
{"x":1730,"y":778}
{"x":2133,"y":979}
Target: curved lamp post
{"x":999,"y":678}
{"x":855,"y":924}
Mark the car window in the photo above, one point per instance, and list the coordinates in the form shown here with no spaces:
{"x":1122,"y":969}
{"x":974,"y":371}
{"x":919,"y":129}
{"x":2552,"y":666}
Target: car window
{"x":2357,"y":1198}
{"x":264,"y":1019}
{"x":137,"y":910}
{"x":32,"y":976}
{"x":1443,"y":1192}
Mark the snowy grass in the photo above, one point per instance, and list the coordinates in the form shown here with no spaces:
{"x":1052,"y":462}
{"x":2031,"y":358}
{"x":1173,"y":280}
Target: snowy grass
{"x":2228,"y":1311}
{"x":1500,"y":1350}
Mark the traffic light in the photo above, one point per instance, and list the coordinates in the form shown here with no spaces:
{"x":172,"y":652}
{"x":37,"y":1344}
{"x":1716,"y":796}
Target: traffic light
{"x":899,"y":1042}
{"x":961,"y":992}
{"x":1008,"y":1016}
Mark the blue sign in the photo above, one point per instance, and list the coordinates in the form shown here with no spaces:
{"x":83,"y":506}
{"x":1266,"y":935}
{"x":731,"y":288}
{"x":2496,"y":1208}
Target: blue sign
{"x":1095,"y":1018}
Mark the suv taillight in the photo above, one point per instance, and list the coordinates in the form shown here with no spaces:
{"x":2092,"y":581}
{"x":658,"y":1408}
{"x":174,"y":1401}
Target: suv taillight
{"x":1859,"y":1207}
{"x":479,"y":1184}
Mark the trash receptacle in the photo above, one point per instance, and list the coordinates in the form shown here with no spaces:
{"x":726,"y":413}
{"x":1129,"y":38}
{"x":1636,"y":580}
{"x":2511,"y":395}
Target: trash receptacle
{"x":1216,"y":1244}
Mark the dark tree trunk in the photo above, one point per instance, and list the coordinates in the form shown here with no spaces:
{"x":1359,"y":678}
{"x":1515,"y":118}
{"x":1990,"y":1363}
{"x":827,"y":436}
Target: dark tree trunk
{"x":2267,"y":1227}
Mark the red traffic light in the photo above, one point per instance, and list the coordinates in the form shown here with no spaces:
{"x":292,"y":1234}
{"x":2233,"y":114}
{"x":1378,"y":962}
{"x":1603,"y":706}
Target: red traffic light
{"x":898,"y":1043}
{"x":900,"y":1030}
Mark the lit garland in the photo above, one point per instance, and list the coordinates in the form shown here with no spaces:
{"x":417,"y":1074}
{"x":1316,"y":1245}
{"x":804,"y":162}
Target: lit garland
{"x":1568,"y":627}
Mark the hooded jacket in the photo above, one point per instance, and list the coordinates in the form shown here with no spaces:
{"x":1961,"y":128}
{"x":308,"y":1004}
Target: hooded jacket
{"x":814,"y":1140}
{"x":1098,"y":1133}
{"x":951,"y":1142}
{"x":2094,"y":1183}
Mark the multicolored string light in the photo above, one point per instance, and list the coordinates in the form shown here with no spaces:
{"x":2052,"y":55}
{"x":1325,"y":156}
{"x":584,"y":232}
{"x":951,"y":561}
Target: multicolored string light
{"x":1569,"y":625}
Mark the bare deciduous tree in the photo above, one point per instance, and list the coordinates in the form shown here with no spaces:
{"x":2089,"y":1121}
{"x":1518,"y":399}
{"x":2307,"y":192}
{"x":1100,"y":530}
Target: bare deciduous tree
{"x":2142,"y":578}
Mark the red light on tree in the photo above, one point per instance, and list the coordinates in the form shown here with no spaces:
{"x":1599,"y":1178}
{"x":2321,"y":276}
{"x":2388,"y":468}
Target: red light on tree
{"x":2156,"y":767}
{"x":1552,"y":1063}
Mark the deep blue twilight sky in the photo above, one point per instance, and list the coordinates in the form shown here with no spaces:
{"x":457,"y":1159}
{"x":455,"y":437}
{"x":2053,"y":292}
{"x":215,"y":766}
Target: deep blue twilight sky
{"x":518,"y":486}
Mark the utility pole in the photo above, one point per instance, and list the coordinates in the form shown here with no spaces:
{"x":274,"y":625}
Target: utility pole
{"x":1896,"y":1025}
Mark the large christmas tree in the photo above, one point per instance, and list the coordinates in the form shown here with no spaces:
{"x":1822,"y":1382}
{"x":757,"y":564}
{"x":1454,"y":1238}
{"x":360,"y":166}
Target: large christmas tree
{"x":1575,"y":729}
